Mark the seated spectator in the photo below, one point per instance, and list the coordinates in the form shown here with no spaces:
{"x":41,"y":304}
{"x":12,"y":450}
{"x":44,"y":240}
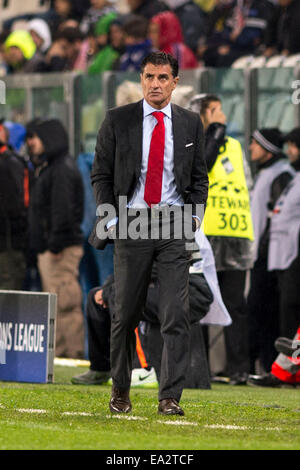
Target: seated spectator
{"x":21,"y":54}
{"x":166,"y":35}
{"x":108,"y":53}
{"x":147,"y":8}
{"x":99,"y":8}
{"x":64,"y":54}
{"x":191,"y":18}
{"x":41,"y":34}
{"x":285,"y":369}
{"x":61,"y":11}
{"x":137,"y":44}
{"x":234,"y":29}
{"x":282,"y":35}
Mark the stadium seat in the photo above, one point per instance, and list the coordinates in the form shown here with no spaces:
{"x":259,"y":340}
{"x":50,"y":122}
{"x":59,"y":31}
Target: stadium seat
{"x":291,"y":61}
{"x":275,"y":61}
{"x":243,"y":62}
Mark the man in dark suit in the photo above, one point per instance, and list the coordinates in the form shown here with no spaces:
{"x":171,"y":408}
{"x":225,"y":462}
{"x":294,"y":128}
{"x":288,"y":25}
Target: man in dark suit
{"x":150,"y":152}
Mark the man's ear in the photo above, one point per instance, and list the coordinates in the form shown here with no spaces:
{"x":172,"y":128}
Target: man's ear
{"x":175,"y":82}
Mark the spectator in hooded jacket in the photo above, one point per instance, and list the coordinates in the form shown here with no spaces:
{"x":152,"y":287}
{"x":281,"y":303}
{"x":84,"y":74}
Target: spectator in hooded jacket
{"x":56,"y":213}
{"x":21,"y":54}
{"x":14,"y":199}
{"x":192,"y":20}
{"x":166,"y":35}
{"x":41,"y":34}
{"x":108,"y":50}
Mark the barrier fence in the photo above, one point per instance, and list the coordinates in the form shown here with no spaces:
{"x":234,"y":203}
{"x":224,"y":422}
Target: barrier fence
{"x":264,"y":97}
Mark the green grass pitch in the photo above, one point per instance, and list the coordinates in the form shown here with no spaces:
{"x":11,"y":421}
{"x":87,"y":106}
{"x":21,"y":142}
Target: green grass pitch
{"x":62,"y":416}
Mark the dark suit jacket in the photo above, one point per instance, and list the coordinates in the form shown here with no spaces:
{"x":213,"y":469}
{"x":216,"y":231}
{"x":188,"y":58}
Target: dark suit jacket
{"x":118,"y":157}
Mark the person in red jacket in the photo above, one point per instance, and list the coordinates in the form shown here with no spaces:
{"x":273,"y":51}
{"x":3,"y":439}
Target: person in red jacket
{"x":166,"y":35}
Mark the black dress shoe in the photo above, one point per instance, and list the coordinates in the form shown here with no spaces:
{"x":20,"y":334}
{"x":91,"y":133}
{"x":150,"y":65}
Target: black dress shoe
{"x":267,"y":380}
{"x":119,"y":402}
{"x":170,"y":406}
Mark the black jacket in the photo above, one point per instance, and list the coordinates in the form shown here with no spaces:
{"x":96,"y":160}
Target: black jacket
{"x":13,"y":211}
{"x":57,"y":201}
{"x":118,"y":159}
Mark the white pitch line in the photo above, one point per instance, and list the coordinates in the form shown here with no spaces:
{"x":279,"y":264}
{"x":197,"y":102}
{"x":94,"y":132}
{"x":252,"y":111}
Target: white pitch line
{"x":76,"y":413}
{"x":227,"y":426}
{"x":178,"y":423}
{"x":128,"y":418}
{"x":28,"y":410}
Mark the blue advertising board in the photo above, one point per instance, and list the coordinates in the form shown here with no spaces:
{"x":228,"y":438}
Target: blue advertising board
{"x":27,"y":336}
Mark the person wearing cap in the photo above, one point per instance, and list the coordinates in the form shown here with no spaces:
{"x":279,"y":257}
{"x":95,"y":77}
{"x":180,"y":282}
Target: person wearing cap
{"x":14,"y":199}
{"x":21,"y":53}
{"x":273,"y":174}
{"x":228,"y":225}
{"x":55,"y":217}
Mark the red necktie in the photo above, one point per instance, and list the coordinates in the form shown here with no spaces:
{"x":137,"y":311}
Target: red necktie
{"x":153,"y":186}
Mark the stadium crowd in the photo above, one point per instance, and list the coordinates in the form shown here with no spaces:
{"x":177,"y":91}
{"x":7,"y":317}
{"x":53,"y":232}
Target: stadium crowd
{"x":92,"y":36}
{"x":42,"y":188}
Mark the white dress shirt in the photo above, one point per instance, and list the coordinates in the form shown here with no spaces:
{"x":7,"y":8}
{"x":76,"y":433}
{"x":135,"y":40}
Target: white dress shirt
{"x":169,"y":193}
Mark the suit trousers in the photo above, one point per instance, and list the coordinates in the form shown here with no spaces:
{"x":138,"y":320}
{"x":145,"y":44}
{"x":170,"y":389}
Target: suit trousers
{"x":133,"y":266}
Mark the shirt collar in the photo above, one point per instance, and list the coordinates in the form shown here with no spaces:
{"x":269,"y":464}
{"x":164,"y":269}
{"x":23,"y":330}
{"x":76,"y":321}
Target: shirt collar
{"x":149,"y":110}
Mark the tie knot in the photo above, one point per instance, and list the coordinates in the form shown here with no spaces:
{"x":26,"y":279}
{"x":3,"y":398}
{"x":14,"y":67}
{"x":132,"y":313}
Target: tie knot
{"x":159,"y":116}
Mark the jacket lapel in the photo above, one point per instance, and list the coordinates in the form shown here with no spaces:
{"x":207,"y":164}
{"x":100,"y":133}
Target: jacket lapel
{"x":179,"y":135}
{"x":136,"y":137}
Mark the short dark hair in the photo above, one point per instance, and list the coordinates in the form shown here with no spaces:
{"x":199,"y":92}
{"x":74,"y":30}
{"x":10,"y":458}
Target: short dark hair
{"x":207,"y":99}
{"x":71,"y":35}
{"x":161,"y":58}
{"x":136,"y":26}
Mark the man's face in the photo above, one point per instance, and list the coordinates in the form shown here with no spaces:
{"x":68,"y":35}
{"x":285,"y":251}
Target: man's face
{"x":158,"y":85}
{"x":213,"y":113}
{"x":258,"y":153}
{"x":63,"y":7}
{"x":35,"y":145}
{"x":293,"y":152}
{"x":14,"y":56}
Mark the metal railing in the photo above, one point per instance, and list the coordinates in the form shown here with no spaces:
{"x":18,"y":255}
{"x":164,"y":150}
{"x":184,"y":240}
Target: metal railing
{"x":251,"y":98}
